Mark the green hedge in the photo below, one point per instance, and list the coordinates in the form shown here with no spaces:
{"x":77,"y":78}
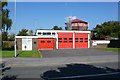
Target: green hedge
{"x":8,"y":45}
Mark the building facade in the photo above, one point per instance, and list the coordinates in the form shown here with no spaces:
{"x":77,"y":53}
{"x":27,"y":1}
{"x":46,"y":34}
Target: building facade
{"x":54,"y":39}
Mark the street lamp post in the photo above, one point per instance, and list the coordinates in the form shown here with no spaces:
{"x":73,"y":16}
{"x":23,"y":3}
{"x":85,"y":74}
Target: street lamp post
{"x":15,"y":28}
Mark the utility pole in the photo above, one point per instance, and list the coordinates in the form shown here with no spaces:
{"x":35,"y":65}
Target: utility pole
{"x":15,"y":28}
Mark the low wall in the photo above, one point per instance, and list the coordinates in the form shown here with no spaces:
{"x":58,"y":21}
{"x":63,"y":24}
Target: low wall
{"x":99,"y":43}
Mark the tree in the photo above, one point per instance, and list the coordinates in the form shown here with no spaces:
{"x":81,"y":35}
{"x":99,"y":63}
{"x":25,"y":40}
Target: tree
{"x":110,"y":28}
{"x":56,"y":28}
{"x":119,"y":34}
{"x":4,"y":36}
{"x":6,"y":21}
{"x":30,"y":32}
{"x":11,"y":37}
{"x":23,"y":32}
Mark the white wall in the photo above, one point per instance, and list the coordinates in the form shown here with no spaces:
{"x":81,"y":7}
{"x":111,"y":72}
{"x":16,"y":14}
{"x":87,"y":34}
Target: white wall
{"x":95,"y":42}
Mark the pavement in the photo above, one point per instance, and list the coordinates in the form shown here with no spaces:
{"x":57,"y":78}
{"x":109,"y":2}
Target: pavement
{"x":64,"y":56}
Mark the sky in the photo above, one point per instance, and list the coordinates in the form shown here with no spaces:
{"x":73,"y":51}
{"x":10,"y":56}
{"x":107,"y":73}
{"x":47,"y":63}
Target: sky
{"x":45,"y":15}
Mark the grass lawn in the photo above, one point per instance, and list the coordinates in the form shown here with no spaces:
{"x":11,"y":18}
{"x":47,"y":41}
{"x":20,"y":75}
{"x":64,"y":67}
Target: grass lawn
{"x":30,"y":54}
{"x":110,"y":49}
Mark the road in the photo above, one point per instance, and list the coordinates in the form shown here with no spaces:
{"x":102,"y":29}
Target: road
{"x":65,"y":56}
{"x":62,"y":63}
{"x":35,"y":72}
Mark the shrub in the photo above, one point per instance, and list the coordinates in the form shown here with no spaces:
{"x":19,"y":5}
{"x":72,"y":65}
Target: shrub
{"x":8,"y":45}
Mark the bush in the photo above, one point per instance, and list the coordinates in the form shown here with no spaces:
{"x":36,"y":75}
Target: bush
{"x":114,"y":44}
{"x":8,"y":45}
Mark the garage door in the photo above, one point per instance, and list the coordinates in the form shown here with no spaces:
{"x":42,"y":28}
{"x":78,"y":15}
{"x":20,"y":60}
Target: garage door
{"x":81,"y":40}
{"x":45,"y":43}
{"x":65,"y":40}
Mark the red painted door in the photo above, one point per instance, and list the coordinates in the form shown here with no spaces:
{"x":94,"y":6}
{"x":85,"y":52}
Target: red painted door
{"x":45,"y":43}
{"x":81,"y":40}
{"x":65,"y":40}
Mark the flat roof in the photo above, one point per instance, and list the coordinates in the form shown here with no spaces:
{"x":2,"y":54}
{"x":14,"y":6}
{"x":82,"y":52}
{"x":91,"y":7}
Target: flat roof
{"x":64,"y":31}
{"x":26,"y":36}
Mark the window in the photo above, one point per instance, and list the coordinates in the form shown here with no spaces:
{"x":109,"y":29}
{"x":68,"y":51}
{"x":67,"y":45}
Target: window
{"x":81,"y":39}
{"x":44,"y":33}
{"x":70,"y":39}
{"x":76,"y":39}
{"x":53,"y":33}
{"x":86,"y":39}
{"x":34,"y":42}
{"x":42,"y":41}
{"x":65,"y":39}
{"x":48,"y":33}
{"x":39,"y":33}
{"x":48,"y":41}
{"x":59,"y":39}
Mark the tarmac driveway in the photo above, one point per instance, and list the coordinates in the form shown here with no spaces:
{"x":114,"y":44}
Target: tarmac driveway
{"x":75,"y":52}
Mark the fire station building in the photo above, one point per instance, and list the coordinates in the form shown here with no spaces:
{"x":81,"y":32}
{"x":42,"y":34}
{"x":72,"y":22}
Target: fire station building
{"x":76,"y":35}
{"x":54,"y":39}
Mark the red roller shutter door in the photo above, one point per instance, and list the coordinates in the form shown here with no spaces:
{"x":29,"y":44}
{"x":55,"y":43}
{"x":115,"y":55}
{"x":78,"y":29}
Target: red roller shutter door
{"x":45,"y":43}
{"x":81,"y":40}
{"x":65,"y":40}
